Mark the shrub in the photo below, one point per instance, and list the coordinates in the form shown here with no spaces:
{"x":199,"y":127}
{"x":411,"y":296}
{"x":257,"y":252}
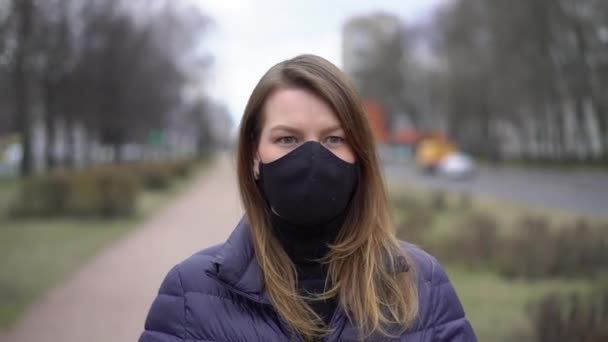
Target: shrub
{"x":406,"y":203}
{"x":535,"y":250}
{"x":582,"y":248}
{"x":416,"y":217}
{"x":474,"y":243}
{"x":529,"y":250}
{"x":439,"y":200}
{"x":154,"y":176}
{"x":85,"y":195}
{"x":465,"y":201}
{"x":182,"y":168}
{"x":571,"y":317}
{"x":532,"y":249}
{"x":416,"y":221}
{"x":480,"y":235}
{"x":44,"y":195}
{"x":119,"y":191}
{"x":105,"y":192}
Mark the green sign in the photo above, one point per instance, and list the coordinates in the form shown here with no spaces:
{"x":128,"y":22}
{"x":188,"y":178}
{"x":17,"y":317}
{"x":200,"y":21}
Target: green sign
{"x":156,"y":137}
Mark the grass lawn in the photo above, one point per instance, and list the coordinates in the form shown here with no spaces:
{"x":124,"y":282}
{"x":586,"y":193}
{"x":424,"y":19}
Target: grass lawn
{"x":8,"y":187}
{"x":505,"y":212}
{"x":497,"y":307}
{"x":37,"y":254}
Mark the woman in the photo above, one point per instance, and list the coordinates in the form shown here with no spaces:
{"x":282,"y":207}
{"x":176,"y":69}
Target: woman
{"x":315,"y":257}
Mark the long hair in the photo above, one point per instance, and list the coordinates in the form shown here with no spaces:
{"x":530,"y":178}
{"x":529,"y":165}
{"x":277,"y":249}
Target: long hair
{"x":374,"y":295}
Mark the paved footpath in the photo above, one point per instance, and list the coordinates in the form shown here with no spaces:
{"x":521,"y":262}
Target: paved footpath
{"x":108,"y":299}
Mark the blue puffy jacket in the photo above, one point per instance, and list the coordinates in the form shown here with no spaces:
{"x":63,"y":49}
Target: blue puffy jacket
{"x":217,"y":295}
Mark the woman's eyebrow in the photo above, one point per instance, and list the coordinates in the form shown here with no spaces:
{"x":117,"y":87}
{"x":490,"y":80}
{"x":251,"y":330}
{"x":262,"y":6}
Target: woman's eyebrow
{"x":295,"y":130}
{"x":284,"y":128}
{"x":332,"y":129}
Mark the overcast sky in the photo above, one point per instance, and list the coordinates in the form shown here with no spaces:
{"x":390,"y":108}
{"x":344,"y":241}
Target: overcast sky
{"x":250,"y":36}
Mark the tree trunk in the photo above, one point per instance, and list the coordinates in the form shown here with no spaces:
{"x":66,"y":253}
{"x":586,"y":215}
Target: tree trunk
{"x":49,"y":124}
{"x":602,"y":119}
{"x":559,"y":131}
{"x":118,"y":157}
{"x":87,"y":158}
{"x":581,"y":136}
{"x":21,"y":82}
{"x":70,"y":158}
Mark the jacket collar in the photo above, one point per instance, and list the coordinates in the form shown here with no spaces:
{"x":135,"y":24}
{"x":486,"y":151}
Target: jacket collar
{"x":236,"y":266}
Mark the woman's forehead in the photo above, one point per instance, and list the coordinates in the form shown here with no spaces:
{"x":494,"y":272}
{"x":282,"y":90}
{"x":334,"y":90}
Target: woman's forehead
{"x":297,"y":108}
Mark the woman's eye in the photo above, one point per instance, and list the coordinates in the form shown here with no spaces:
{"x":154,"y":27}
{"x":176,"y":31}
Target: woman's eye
{"x":334,"y":140}
{"x":286,"y":140}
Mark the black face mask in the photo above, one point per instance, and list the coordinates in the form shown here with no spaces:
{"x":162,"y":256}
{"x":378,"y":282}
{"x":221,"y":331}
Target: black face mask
{"x":308,"y":186}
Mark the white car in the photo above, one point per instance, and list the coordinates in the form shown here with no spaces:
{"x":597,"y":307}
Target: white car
{"x":457,"y":166}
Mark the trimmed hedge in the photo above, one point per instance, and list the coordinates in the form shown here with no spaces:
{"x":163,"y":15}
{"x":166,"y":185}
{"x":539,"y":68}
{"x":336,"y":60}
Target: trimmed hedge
{"x":536,"y":250}
{"x":571,"y":317}
{"x":45,"y":195}
{"x":533,"y":249}
{"x":158,"y":175}
{"x":154,"y":176}
{"x":107,"y":191}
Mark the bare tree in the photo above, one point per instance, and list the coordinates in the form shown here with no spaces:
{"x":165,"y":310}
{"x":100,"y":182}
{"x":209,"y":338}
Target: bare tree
{"x":536,"y":67}
{"x":112,"y":70}
{"x":376,"y":57}
{"x":22,"y":11}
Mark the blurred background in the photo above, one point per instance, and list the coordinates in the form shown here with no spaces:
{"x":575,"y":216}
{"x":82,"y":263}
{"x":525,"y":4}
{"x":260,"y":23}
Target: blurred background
{"x":118,"y":118}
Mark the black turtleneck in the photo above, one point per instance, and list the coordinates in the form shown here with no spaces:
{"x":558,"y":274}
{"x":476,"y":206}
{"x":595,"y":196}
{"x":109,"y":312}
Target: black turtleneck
{"x":305,"y":246}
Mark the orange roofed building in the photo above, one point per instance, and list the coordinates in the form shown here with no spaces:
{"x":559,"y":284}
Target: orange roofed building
{"x":377,"y":120}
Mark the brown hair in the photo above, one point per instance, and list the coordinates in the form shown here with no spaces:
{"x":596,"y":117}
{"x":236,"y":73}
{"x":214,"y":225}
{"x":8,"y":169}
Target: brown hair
{"x":372,"y":293}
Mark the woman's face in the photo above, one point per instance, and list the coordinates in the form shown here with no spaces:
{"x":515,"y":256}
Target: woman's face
{"x":293,"y":116}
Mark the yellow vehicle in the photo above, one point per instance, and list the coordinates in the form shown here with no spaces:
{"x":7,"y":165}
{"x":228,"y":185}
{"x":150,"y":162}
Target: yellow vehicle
{"x":431,"y":151}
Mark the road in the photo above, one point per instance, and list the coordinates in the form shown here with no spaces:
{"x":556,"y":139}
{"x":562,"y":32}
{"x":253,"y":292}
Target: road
{"x":584,"y":192}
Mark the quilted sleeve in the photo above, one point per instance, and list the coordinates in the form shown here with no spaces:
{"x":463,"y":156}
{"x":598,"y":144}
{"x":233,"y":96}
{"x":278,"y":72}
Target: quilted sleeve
{"x":448,"y":317}
{"x":166,"y":318}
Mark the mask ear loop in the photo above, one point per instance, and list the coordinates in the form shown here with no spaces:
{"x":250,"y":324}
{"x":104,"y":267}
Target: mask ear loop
{"x":256,"y":173}
{"x":259,"y":184}
{"x":256,"y":176}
